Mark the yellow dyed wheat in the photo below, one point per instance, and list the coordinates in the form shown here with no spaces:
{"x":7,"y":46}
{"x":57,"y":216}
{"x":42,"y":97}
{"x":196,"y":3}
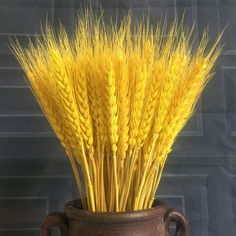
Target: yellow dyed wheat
{"x":117,"y":96}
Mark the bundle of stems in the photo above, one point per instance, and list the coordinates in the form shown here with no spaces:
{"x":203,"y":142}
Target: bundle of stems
{"x":117,"y":95}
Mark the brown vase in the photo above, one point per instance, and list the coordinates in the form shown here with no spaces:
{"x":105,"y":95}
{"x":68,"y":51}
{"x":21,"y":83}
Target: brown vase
{"x":151,"y":222}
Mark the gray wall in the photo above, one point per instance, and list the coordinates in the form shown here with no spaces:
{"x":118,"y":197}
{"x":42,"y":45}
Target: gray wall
{"x":199,"y":178}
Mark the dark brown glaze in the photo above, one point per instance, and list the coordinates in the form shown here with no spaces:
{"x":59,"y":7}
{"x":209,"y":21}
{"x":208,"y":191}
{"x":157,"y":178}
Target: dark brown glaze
{"x":151,"y":222}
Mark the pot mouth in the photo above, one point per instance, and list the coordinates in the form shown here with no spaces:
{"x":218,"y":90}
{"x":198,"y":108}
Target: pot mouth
{"x":74,"y":210}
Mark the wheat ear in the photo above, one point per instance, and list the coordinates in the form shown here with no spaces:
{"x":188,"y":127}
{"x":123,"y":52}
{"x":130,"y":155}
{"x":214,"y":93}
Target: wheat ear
{"x":113,"y":125}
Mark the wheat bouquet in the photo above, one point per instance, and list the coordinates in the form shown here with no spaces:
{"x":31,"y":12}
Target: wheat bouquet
{"x":117,"y":96}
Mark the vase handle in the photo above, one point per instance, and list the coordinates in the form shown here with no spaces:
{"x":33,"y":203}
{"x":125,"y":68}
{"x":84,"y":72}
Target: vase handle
{"x":54,"y":219}
{"x":182,"y":228}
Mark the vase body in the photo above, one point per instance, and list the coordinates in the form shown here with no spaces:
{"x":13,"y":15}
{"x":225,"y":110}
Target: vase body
{"x":151,"y":222}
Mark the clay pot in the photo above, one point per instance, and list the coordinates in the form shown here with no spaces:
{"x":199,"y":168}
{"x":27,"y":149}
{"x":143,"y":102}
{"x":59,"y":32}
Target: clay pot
{"x":151,"y":222}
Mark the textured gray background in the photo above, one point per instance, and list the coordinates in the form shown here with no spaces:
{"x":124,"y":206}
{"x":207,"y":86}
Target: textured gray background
{"x":200,"y":176}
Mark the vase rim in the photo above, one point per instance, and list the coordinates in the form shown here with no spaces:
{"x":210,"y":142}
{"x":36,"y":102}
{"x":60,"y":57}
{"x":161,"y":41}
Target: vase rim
{"x":73,"y":209}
